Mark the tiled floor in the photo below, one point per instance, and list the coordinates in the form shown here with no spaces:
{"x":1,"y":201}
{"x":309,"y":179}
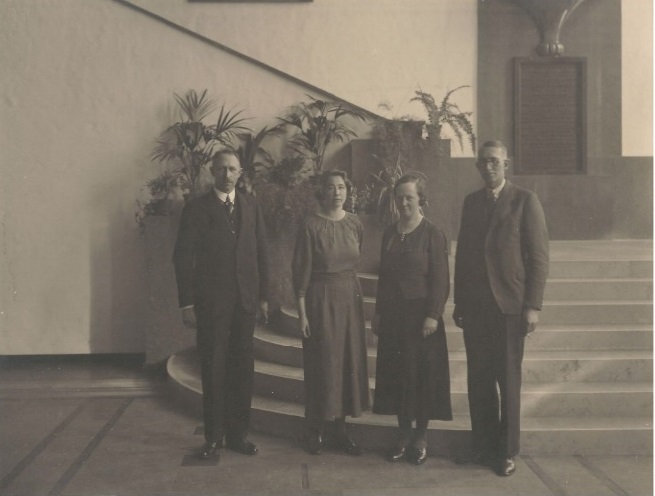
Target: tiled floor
{"x":87,"y":427}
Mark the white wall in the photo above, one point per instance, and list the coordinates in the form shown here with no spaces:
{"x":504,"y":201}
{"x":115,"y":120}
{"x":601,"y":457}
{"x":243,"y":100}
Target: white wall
{"x":637,"y":80}
{"x":365,"y":51}
{"x":86,"y":86}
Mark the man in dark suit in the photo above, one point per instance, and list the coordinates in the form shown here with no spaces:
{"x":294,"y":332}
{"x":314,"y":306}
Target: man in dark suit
{"x":501,"y":267}
{"x":221,"y":267}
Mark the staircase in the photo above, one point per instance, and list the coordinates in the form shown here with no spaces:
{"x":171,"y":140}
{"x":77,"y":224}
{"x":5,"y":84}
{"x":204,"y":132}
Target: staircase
{"x":587,"y":369}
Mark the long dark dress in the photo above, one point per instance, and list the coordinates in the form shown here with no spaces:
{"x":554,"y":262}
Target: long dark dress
{"x":324,"y":263}
{"x":412,"y":373}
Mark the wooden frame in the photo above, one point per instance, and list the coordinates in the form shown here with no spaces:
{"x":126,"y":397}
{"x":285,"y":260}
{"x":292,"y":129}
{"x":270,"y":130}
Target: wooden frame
{"x":550,"y":115}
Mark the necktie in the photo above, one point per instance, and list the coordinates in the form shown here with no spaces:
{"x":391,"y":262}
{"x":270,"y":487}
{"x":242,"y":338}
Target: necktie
{"x":229,"y":210}
{"x":490,"y":205}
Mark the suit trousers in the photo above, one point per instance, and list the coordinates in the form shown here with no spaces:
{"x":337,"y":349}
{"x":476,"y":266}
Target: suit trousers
{"x":494,"y":352}
{"x":225,"y":344}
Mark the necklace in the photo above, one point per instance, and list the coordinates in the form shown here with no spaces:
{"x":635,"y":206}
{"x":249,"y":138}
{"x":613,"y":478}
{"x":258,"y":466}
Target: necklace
{"x":405,"y":232}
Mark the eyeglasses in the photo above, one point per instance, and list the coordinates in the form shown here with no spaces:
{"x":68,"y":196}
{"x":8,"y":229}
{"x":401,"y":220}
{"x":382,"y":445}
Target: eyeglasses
{"x":495,"y":163}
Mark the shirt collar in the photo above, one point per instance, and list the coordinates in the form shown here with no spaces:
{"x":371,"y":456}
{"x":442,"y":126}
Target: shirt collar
{"x":496,"y":191}
{"x":223,"y":196}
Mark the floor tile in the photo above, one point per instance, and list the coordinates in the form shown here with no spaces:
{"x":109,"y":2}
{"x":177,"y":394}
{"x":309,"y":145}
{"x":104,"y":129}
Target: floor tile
{"x":567,"y":476}
{"x":135,"y":447}
{"x":66,"y":450}
{"x":26,"y":423}
{"x":633,"y":474}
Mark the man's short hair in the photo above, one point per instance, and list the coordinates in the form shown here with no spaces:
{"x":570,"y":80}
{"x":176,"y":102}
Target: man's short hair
{"x":493,"y":144}
{"x":225,"y":151}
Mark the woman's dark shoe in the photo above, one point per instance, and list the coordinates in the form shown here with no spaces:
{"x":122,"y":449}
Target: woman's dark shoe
{"x":506,"y":467}
{"x":313,"y":445}
{"x":209,"y":450}
{"x":349,"y":447}
{"x":395,"y":454}
{"x":417,"y":456}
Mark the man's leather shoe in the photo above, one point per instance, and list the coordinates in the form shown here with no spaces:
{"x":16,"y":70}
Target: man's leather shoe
{"x":417,"y":456}
{"x":506,"y":467}
{"x":349,"y":447}
{"x":242,"y":446}
{"x":395,"y":454}
{"x":209,"y":450}
{"x":313,"y":445}
{"x":474,"y":458}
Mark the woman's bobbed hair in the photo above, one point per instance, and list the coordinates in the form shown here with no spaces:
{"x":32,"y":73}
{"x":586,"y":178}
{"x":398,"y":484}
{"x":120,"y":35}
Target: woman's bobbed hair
{"x":421,"y":183}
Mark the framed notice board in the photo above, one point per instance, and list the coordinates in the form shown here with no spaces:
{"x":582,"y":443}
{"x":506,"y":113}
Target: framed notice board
{"x":550,"y":113}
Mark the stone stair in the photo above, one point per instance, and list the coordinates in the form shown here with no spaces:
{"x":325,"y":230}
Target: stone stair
{"x":587,"y":369}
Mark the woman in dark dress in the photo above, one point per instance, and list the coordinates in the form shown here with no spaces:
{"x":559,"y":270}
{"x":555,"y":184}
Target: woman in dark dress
{"x":331,"y":315}
{"x":412,"y":375}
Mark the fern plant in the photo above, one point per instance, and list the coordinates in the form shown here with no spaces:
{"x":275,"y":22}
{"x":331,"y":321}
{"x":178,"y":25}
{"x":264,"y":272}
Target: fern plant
{"x":447,"y":113}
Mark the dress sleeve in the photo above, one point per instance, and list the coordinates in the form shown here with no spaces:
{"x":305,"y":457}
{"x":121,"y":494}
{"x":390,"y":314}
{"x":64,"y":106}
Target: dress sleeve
{"x":360,"y":235}
{"x":438,"y":273}
{"x":382,"y":278}
{"x":301,"y":266}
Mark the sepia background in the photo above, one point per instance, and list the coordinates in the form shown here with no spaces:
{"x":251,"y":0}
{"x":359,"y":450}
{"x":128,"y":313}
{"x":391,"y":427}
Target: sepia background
{"x":86,"y":86}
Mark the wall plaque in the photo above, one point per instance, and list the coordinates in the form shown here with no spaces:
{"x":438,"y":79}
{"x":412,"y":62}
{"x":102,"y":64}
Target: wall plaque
{"x":550,"y":108}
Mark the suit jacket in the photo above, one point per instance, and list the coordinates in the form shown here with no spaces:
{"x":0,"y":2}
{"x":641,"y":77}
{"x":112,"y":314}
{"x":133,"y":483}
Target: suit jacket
{"x":510,"y":251}
{"x":211,"y":262}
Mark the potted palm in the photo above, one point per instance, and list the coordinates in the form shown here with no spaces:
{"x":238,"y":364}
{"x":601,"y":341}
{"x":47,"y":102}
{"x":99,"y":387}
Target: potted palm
{"x":255,"y":159}
{"x":185,"y":148}
{"x":312,"y":126}
{"x":446,"y":113}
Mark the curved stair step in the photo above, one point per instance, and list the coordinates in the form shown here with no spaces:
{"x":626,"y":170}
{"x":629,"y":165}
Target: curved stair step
{"x":540,"y":435}
{"x":538,"y":365}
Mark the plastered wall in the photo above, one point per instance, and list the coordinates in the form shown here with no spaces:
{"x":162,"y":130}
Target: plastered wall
{"x":86,"y":86}
{"x":637,"y":68}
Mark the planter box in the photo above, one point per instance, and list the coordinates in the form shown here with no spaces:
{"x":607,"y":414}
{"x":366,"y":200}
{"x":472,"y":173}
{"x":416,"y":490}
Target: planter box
{"x":165,"y":332}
